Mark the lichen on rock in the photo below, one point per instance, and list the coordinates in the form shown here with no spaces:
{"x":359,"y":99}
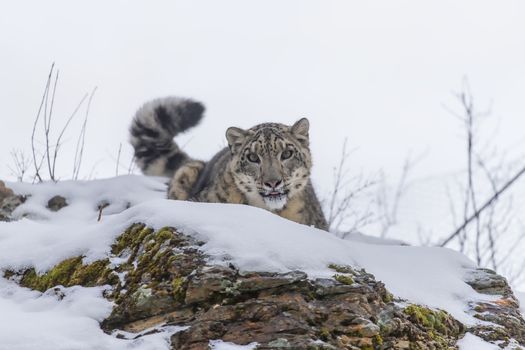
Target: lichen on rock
{"x":504,"y":322}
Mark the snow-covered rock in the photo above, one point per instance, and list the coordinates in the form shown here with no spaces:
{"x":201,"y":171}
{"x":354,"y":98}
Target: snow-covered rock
{"x":229,"y":272}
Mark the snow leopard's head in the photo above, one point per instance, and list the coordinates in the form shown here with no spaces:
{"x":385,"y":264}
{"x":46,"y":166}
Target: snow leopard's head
{"x":271,"y":160}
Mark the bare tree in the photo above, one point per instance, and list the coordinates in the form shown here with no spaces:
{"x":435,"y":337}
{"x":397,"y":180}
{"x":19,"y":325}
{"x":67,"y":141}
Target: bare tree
{"x":38,"y":164}
{"x":357,"y":201}
{"x":79,"y":150}
{"x":484,"y":222}
{"x":48,"y":151}
{"x":484,"y":218}
{"x":21,"y":164}
{"x":342,"y":211}
{"x":387,"y":204}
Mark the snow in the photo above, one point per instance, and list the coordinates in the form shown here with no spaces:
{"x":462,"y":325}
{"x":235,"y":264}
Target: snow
{"x":521,"y":298}
{"x":67,"y":319}
{"x":47,"y":237}
{"x":363,"y":238}
{"x":221,"y":345}
{"x":472,"y":342}
{"x":83,"y":197}
{"x":250,"y":238}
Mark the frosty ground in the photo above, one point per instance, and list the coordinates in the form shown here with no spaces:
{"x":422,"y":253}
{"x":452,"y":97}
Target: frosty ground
{"x":250,"y":238}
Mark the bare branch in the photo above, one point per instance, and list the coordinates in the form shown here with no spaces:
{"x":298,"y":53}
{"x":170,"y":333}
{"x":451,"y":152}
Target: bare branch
{"x":131,"y":166}
{"x":33,"y":148}
{"x":388,"y":210}
{"x":346,"y":190}
{"x":79,"y":150}
{"x":47,"y":124}
{"x":21,"y":164}
{"x":496,"y":219}
{"x":486,"y":205}
{"x":58,"y":143}
{"x":118,"y":158}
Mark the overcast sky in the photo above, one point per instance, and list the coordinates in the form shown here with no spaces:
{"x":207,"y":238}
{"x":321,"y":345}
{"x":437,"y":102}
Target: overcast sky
{"x":375,"y":72}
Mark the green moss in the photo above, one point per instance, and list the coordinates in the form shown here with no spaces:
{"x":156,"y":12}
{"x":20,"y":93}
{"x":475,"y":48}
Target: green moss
{"x":92,"y":274}
{"x":152,"y":269}
{"x":178,"y":290}
{"x":141,"y":236}
{"x":415,"y":346}
{"x":70,"y":272}
{"x":378,"y":340}
{"x":343,"y":275}
{"x":164,"y":234}
{"x":388,"y":298}
{"x":152,"y":258}
{"x":439,"y":326}
{"x":58,"y":275}
{"x":131,"y":239}
{"x":430,"y":319}
{"x":341,"y":268}
{"x":325,"y":334}
{"x":344,"y":279}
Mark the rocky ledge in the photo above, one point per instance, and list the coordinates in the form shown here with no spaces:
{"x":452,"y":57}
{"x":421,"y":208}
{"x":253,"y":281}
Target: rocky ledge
{"x":161,"y":277}
{"x":158,"y":278}
{"x":8,"y":202}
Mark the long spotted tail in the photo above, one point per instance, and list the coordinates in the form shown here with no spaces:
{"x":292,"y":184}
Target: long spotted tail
{"x":152,"y":131}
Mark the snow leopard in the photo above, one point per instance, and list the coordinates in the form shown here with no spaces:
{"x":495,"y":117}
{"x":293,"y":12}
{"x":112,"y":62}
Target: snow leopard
{"x":266,"y":166}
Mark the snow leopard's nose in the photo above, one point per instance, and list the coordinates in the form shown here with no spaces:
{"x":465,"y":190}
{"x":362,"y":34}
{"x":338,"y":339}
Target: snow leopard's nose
{"x":273,"y":184}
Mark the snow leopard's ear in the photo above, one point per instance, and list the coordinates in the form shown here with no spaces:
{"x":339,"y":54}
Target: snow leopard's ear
{"x":235,"y":137}
{"x":300,"y":130}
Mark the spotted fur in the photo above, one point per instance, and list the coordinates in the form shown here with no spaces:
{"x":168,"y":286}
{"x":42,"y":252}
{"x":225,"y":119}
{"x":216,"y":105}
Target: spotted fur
{"x":267,"y":166}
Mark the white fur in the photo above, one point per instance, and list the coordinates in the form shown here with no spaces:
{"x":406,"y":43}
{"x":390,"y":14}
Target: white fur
{"x":277,"y":203}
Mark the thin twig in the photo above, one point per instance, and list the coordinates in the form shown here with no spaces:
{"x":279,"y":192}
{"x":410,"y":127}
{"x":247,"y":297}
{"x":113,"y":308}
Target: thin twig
{"x":79,"y":150}
{"x":118,"y":158}
{"x":487,"y":203}
{"x":131,"y":165}
{"x":33,"y":148}
{"x":346,"y":190}
{"x":21,"y":164}
{"x":388,"y":210}
{"x":58,"y":144}
{"x":47,"y":125}
{"x":101,"y":207}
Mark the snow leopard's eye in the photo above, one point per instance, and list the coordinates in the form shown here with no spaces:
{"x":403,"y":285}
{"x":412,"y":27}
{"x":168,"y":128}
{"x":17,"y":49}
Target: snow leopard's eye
{"x":254,"y":158}
{"x":286,"y":154}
